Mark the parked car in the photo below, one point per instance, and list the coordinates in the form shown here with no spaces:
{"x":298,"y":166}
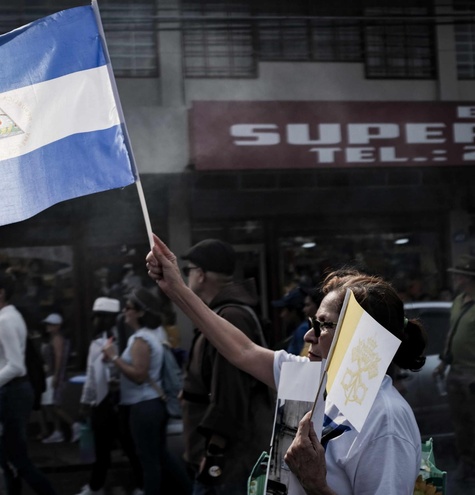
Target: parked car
{"x":426,"y":397}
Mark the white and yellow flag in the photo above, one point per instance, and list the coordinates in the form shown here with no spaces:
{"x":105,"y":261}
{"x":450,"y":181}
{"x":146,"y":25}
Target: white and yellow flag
{"x":361,"y":353}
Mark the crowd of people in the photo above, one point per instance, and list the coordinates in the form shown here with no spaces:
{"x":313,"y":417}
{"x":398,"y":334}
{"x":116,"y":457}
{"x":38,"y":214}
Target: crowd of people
{"x":230,"y":379}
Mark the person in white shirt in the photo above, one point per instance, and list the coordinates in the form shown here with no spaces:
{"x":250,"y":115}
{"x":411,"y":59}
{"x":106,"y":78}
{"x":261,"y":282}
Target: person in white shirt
{"x":16,"y":398}
{"x":350,"y":463}
{"x":100,"y":401}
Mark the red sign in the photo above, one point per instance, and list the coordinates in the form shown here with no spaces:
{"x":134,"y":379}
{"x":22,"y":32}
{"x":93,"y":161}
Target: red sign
{"x":236,"y":135}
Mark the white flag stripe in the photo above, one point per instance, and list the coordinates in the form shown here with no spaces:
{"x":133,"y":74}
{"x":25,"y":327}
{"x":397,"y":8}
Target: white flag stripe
{"x":52,"y":110}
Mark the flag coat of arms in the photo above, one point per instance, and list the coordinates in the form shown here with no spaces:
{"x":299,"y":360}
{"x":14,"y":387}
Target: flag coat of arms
{"x":61,"y":131}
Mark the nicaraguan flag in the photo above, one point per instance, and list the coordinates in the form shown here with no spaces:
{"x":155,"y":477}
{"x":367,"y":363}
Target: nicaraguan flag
{"x":61,"y":135}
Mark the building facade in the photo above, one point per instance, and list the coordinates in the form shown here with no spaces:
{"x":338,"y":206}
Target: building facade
{"x":308,"y":135}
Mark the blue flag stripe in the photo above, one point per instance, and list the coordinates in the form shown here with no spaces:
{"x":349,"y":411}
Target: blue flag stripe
{"x":78,"y":165}
{"x":53,"y":46}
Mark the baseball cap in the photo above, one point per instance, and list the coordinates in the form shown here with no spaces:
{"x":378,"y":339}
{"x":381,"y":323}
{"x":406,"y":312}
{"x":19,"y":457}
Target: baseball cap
{"x":293,"y":299}
{"x":106,"y":305}
{"x":53,"y":319}
{"x":464,"y":266}
{"x":212,"y":255}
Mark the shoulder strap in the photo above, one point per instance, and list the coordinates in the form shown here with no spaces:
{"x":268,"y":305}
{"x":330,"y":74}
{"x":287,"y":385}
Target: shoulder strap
{"x":247,"y":308}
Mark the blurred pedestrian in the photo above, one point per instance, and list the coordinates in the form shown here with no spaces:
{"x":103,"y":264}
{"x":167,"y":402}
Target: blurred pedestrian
{"x":56,"y":356}
{"x":100,"y":401}
{"x":227,"y":414}
{"x":140,"y":379}
{"x":459,"y":354}
{"x":293,"y":318}
{"x":16,"y":398}
{"x":313,"y":298}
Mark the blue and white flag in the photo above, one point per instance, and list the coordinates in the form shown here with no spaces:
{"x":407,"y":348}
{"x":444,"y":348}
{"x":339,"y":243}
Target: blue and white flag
{"x":61,"y":134}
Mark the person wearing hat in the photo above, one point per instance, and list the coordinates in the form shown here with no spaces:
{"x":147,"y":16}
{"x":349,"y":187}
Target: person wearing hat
{"x":293,"y":319}
{"x":56,"y":355}
{"x":459,"y":354}
{"x":100,"y":400}
{"x":313,"y":298}
{"x":16,"y":398}
{"x":139,"y":367}
{"x":227,"y":414}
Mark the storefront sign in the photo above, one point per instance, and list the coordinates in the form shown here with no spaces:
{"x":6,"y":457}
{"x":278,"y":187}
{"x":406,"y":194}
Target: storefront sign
{"x":277,"y":135}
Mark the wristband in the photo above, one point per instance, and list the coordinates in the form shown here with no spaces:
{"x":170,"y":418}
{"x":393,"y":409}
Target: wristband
{"x":115,"y":358}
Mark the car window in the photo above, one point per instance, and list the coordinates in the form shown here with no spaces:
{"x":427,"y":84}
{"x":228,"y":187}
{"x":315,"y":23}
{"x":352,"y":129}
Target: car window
{"x":436,"y":322}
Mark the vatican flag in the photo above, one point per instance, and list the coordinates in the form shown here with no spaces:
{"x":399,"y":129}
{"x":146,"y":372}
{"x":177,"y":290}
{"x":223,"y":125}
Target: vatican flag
{"x":361,"y":352}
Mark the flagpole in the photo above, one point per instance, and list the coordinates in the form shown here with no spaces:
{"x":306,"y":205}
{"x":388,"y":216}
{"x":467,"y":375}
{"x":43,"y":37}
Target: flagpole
{"x":138,"y":183}
{"x":332,"y":347}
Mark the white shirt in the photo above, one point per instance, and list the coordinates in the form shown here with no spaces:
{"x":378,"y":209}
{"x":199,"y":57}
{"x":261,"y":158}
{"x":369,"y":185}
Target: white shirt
{"x":12,"y":344}
{"x":384,"y":458}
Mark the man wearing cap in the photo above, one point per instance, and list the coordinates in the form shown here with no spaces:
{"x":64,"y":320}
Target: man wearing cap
{"x":227,"y":415}
{"x":293,"y":319}
{"x":459,"y":353}
{"x":16,"y":398}
{"x":100,"y":400}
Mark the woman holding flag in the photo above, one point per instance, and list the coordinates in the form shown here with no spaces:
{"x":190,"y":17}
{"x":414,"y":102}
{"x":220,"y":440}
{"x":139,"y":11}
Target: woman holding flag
{"x":349,"y":463}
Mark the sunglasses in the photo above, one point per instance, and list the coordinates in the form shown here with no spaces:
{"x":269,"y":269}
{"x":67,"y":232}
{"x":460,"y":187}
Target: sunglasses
{"x":187,"y":269}
{"x":319,"y":326}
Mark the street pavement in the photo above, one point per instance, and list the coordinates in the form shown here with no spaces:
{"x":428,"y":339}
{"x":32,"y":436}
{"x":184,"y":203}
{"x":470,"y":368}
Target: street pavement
{"x":62,"y":464}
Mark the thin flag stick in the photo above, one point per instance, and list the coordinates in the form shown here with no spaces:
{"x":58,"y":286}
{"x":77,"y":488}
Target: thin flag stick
{"x":332,"y":347}
{"x":128,"y":143}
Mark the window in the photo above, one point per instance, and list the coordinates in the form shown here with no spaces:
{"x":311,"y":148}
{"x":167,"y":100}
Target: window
{"x":304,"y":31}
{"x":228,"y":38}
{"x":465,"y":40}
{"x":128,"y":24}
{"x":217,"y":39}
{"x":399,"y":48}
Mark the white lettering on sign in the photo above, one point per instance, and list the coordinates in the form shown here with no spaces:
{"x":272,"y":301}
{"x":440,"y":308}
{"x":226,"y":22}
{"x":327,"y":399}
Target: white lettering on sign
{"x":325,"y":155}
{"x":388,"y":154}
{"x":364,"y":133}
{"x":464,"y":133}
{"x":425,"y":133}
{"x":360,"y":155}
{"x":364,"y":143}
{"x":254,"y":137}
{"x":300,"y":134}
{"x":466,"y":112}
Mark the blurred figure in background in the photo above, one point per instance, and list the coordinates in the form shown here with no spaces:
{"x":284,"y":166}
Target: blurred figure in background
{"x":459,"y":354}
{"x":56,"y":355}
{"x":227,"y":414}
{"x":140,"y":368}
{"x":16,"y":398}
{"x":294,"y":321}
{"x":312,"y":300}
{"x":100,"y":400}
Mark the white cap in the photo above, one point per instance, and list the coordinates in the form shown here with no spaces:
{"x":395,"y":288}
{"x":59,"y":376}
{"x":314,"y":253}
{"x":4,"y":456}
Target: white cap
{"x":53,"y":319}
{"x":106,"y":305}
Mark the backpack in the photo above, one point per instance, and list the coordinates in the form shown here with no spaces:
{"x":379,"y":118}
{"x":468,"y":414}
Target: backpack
{"x":35,"y":370}
{"x":261,"y":324}
{"x":172,"y":382}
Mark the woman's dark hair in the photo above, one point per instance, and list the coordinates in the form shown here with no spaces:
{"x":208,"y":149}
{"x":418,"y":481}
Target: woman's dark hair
{"x":379,"y":299}
{"x":144,"y":300}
